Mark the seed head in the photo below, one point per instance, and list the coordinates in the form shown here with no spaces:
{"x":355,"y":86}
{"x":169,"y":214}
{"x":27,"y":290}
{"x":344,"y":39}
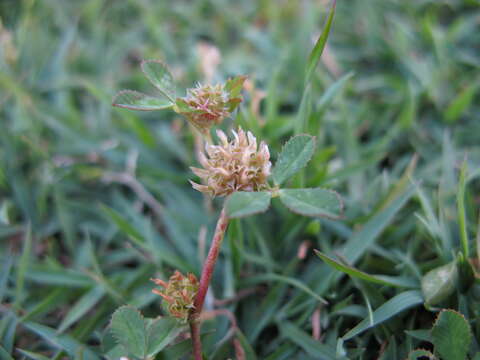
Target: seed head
{"x":237,"y":165}
{"x":207,"y":105}
{"x":179,"y":293}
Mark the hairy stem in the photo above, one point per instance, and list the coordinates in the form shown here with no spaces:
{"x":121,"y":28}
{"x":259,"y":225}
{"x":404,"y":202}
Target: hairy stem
{"x":207,"y":273}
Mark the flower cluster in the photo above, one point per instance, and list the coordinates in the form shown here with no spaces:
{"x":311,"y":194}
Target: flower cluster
{"x":237,"y":165}
{"x":207,"y":105}
{"x":179,"y":293}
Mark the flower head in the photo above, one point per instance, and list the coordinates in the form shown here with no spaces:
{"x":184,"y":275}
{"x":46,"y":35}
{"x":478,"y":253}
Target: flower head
{"x":179,"y":293}
{"x":207,"y":105}
{"x":237,"y":165}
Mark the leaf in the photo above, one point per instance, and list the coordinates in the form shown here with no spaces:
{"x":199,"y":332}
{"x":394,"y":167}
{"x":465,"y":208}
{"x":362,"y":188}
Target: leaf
{"x":125,"y":226}
{"x":234,"y":85}
{"x":4,"y":355}
{"x":451,"y":335}
{"x":23,"y":266}
{"x":439,"y":283}
{"x":7,"y":265}
{"x":63,"y":342}
{"x":134,"y":100}
{"x":294,"y":156}
{"x":306,"y":342}
{"x":128,"y":327}
{"x":333,"y":89}
{"x":366,"y":236}
{"x":116,"y":353}
{"x":460,"y":103}
{"x":159,"y":75}
{"x":313,"y":202}
{"x":247,"y":348}
{"x":81,"y":307}
{"x":420,"y":334}
{"x":319,"y":45}
{"x":377,"y":279}
{"x":242,"y":203}
{"x":32,"y":355}
{"x":288,"y":280}
{"x":160,"y":333}
{"x":420,"y":354}
{"x":392,"y":307}
{"x":63,"y":277}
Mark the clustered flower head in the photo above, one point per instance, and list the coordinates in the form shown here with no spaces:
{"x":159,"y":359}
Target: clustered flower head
{"x":207,"y":105}
{"x":179,"y":293}
{"x":237,"y":165}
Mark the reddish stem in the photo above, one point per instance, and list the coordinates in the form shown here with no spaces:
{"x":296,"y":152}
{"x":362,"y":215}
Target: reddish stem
{"x":207,"y":273}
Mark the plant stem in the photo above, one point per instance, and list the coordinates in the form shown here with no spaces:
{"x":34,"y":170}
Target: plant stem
{"x":207,"y":273}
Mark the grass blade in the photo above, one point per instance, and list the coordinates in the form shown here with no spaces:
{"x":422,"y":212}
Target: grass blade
{"x":391,"y":308}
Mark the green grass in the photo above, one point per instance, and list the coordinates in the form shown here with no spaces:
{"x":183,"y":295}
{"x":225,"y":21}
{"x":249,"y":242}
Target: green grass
{"x":94,"y":200}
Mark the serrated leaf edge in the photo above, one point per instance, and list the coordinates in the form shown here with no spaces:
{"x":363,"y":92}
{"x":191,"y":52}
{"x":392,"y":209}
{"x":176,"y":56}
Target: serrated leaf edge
{"x":135,"y":92}
{"x":455,"y":312}
{"x":421,"y":349}
{"x":164,"y":93}
{"x":283,"y":148}
{"x":113,"y":332}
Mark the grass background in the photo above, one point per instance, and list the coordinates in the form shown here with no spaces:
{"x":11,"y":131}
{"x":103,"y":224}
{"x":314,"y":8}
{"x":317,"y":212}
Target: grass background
{"x":94,"y":200}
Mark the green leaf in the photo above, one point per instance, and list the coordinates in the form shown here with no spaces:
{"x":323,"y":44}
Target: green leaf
{"x":159,"y":75}
{"x":4,"y":355}
{"x":451,"y":335}
{"x":288,"y":280}
{"x":125,"y":226}
{"x":128,"y":327}
{"x":160,"y":333}
{"x":23,"y":266}
{"x":460,"y":103}
{"x":461,"y":209}
{"x":247,"y":348}
{"x":420,"y":354}
{"x":81,"y":307}
{"x":439,"y":283}
{"x":377,"y":279}
{"x":234,"y":85}
{"x":313,"y":202}
{"x":7,"y":265}
{"x":319,"y":45}
{"x":63,"y":342}
{"x":392,"y":307}
{"x":306,"y":342}
{"x":363,"y":239}
{"x":294,"y":156}
{"x":333,"y":90}
{"x":242,"y":203}
{"x":420,"y":334}
{"x":115,"y":353}
{"x":32,"y":355}
{"x":134,"y":100}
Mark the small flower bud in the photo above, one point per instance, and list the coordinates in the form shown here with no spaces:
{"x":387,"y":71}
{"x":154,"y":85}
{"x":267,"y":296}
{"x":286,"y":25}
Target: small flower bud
{"x":179,"y":293}
{"x":207,"y":105}
{"x":237,"y":165}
